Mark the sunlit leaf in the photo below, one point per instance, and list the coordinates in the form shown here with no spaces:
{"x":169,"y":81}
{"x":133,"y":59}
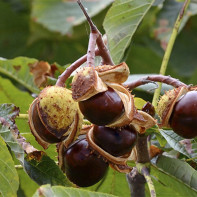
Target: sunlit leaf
{"x":188,"y":148}
{"x":121,"y":23}
{"x":112,"y":183}
{"x":8,"y":174}
{"x":44,"y":170}
{"x":59,"y":191}
{"x":176,"y":175}
{"x":9,"y":131}
{"x":19,"y":70}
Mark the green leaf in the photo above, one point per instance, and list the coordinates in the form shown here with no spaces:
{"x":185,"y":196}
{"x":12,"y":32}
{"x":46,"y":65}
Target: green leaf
{"x":167,"y":17}
{"x":9,"y":131}
{"x":61,"y":16}
{"x":9,"y":112}
{"x":189,"y":148}
{"x":51,"y":151}
{"x":59,"y":191}
{"x":18,"y":69}
{"x":111,"y":184}
{"x":139,"y":102}
{"x":176,"y":175}
{"x":121,"y":23}
{"x":10,"y":94}
{"x":27,"y":185}
{"x":8,"y":174}
{"x":45,"y":171}
{"x":155,"y":130}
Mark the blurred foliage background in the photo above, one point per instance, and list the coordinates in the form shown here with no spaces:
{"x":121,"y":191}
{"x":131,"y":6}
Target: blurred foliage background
{"x":53,"y":31}
{"x":56,"y":31}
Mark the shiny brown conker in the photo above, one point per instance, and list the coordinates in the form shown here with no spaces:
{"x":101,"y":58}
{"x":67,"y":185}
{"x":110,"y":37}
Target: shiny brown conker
{"x":183,"y":119}
{"x":102,"y":108}
{"x":149,"y":109}
{"x":116,"y":141}
{"x":82,"y":166}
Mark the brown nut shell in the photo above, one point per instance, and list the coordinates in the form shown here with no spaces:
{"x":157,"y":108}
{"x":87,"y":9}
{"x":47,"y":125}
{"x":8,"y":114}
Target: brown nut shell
{"x":113,"y":74}
{"x":86,"y":83}
{"x":166,"y":104}
{"x":117,"y":163}
{"x":128,"y":102}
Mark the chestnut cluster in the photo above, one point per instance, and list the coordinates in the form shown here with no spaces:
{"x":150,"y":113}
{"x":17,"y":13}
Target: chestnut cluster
{"x":82,"y":164}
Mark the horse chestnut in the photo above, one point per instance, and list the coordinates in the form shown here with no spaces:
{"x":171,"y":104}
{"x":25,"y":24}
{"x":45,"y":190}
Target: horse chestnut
{"x":183,"y":119}
{"x":82,"y":166}
{"x":116,"y":141}
{"x":103,"y":108}
{"x":54,"y":115}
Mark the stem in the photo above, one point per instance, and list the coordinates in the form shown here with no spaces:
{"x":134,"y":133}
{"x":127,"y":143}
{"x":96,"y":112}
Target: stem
{"x":191,"y":159}
{"x":169,"y":49}
{"x":18,"y":166}
{"x":142,"y":149}
{"x":91,"y":49}
{"x":136,"y":183}
{"x":104,"y":52}
{"x":146,"y":173}
{"x":66,"y":74}
{"x":23,"y":116}
{"x":155,"y":78}
{"x":93,"y":37}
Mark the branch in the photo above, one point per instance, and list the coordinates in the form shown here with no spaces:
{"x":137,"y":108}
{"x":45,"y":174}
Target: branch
{"x":136,"y":183}
{"x":155,"y":78}
{"x":104,"y":52}
{"x":169,"y":50}
{"x":22,"y":116}
{"x":66,"y":74}
{"x":142,"y":149}
{"x":146,"y":173}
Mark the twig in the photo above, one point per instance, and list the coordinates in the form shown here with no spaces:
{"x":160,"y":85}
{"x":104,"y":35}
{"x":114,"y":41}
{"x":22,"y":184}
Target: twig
{"x":66,"y":74}
{"x":169,"y":49}
{"x":22,"y":116}
{"x":136,"y":183}
{"x":93,"y":37}
{"x":155,"y":78}
{"x":104,"y":52}
{"x":146,"y":173}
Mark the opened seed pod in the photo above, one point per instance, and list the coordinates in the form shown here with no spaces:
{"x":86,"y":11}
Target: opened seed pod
{"x":54,"y":116}
{"x":167,"y":102}
{"x":102,"y":99}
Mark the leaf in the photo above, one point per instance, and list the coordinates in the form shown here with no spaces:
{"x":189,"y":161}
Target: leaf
{"x":27,"y":185}
{"x":177,"y":143}
{"x":18,"y":69}
{"x":176,"y":175}
{"x":51,"y":151}
{"x":111,"y":184}
{"x":167,"y":17}
{"x":9,"y":131}
{"x":61,"y":16}
{"x":10,"y":94}
{"x":155,"y":130}
{"x":139,"y":102}
{"x":8,"y":174}
{"x":44,"y":170}
{"x":59,"y":191}
{"x":9,"y":112}
{"x":121,"y":23}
